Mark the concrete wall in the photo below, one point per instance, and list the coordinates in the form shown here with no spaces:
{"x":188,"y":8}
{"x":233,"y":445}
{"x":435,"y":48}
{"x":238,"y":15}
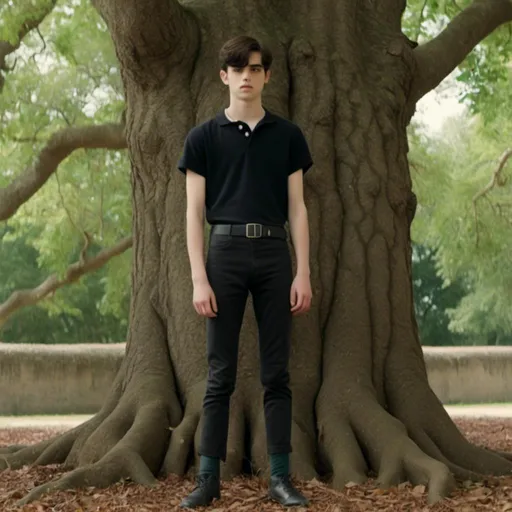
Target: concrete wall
{"x":74,"y":379}
{"x":470,"y":374}
{"x":56,"y":379}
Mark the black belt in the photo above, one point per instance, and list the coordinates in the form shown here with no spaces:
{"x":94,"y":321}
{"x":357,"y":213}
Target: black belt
{"x":249,"y":230}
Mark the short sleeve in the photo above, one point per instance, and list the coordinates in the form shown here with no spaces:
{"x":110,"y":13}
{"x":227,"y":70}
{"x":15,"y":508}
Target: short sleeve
{"x":300,"y":156}
{"x":194,"y":154}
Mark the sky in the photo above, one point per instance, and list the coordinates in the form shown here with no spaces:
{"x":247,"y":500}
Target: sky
{"x":439,"y":105}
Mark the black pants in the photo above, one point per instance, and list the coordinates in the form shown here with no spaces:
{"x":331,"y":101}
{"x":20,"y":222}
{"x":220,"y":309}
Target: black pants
{"x":235,"y":266}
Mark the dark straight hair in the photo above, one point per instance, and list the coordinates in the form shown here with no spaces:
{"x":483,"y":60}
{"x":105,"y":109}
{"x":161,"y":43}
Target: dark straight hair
{"x":236,"y":53}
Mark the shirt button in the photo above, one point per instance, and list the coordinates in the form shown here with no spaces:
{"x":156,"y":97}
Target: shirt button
{"x":247,"y":134}
{"x":240,"y":127}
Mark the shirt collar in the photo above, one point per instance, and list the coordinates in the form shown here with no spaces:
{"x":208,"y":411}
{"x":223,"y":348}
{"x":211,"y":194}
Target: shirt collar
{"x":224,"y":121}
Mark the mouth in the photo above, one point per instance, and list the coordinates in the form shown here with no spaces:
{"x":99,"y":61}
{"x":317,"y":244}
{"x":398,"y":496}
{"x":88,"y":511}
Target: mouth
{"x":246,"y":87}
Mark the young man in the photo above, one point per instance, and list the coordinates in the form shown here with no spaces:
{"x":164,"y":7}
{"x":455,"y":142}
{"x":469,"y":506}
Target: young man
{"x":246,"y":167}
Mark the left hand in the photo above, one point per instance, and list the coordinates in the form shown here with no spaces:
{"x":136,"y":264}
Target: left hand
{"x":300,"y":295}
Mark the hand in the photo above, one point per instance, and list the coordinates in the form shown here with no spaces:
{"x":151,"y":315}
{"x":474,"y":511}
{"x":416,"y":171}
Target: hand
{"x":300,"y":295}
{"x":204,"y":299}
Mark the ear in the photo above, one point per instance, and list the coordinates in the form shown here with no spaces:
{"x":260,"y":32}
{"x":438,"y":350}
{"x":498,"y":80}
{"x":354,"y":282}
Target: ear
{"x":267,"y":76}
{"x":224,"y":77}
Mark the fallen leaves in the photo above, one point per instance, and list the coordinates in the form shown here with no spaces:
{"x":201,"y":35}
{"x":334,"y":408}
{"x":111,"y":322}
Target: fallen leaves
{"x":249,"y":495}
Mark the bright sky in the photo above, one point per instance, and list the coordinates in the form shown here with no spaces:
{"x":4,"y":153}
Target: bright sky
{"x":439,"y":105}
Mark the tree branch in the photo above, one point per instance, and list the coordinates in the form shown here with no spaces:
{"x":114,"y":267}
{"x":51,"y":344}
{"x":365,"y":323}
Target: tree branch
{"x":60,"y":146}
{"x":496,"y":180}
{"x":31,"y":23}
{"x":23,"y":298}
{"x":143,"y":31}
{"x":436,"y":59}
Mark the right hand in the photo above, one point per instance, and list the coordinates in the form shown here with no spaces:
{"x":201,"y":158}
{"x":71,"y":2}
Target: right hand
{"x":204,"y":300}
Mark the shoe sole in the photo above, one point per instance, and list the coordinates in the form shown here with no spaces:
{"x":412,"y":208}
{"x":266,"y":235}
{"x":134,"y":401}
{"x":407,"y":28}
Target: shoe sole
{"x":188,"y":507}
{"x":276,"y":500}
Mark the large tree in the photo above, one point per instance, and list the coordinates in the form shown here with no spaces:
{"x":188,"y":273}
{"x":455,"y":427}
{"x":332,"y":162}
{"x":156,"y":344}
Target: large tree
{"x":349,"y":77}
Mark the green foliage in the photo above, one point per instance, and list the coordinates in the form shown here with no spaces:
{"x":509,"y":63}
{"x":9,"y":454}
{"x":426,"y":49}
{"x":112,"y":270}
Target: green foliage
{"x":484,"y":72}
{"x":13,"y":14}
{"x":433,"y":300}
{"x":82,"y":321}
{"x":471,"y":235}
{"x":66,"y":75}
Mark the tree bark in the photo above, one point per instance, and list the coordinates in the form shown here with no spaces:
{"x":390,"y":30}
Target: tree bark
{"x":361,"y":400}
{"x":438,"y":58}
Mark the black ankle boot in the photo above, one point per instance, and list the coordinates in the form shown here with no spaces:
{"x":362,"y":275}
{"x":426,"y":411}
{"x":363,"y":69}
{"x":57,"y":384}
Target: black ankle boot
{"x":206,"y":490}
{"x":281,"y":490}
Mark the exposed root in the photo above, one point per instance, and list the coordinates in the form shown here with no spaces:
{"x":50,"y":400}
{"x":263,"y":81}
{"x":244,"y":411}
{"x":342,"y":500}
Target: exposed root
{"x":461,"y":452}
{"x":117,"y":465}
{"x":105,"y":435}
{"x":431,"y":449}
{"x":505,"y":455}
{"x":302,"y":459}
{"x":387,"y":448}
{"x":403,"y":460}
{"x":72,"y":460}
{"x":25,"y":456}
{"x":422,"y":469}
{"x":183,"y":436}
{"x":182,"y":441}
{"x":421,"y":410}
{"x":342,"y":452}
{"x":59,"y":448}
{"x":12,"y":448}
{"x":136,"y":456}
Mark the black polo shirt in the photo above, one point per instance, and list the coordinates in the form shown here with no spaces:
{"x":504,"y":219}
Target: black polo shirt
{"x":246,"y":172}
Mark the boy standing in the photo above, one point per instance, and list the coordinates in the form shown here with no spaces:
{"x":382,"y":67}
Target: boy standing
{"x":246,"y":167}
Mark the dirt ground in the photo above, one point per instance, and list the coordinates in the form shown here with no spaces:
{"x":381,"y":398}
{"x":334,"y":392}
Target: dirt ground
{"x":249,"y":494}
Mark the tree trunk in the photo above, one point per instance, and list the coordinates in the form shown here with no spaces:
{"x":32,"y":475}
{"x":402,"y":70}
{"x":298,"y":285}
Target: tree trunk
{"x":361,"y":401}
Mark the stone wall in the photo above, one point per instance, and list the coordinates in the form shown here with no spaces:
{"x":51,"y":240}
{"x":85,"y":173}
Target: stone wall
{"x":74,"y":379}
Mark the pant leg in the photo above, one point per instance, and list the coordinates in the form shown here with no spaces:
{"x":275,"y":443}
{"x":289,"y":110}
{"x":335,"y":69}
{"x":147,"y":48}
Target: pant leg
{"x":270,"y":289}
{"x":227,"y":270}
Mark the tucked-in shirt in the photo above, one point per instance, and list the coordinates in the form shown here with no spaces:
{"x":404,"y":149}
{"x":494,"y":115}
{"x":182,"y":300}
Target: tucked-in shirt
{"x":246,"y":171}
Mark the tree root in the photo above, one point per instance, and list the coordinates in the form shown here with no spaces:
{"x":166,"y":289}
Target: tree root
{"x":461,"y":452}
{"x":342,"y":452}
{"x":362,"y":436}
{"x":116,"y":465}
{"x":126,"y":444}
{"x":246,"y":425}
{"x":373,"y":435}
{"x":12,"y":448}
{"x":183,"y":436}
{"x":16,"y":459}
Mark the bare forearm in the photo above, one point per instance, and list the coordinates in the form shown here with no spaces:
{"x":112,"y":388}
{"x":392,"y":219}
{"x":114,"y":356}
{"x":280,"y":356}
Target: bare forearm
{"x":195,"y":246}
{"x":299,"y":230}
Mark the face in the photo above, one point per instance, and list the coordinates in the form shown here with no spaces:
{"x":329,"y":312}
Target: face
{"x":246,"y":83}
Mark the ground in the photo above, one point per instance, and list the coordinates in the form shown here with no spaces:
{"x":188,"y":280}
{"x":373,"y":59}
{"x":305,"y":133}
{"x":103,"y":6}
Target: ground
{"x":249,"y":495}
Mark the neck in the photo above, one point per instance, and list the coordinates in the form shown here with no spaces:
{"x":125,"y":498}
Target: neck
{"x":245,"y":111}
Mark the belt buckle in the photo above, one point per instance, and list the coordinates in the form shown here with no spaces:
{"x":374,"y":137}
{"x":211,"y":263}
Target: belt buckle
{"x":256,"y":233}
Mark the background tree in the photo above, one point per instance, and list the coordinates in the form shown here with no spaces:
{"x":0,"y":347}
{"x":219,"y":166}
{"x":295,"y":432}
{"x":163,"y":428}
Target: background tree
{"x":350,"y":78}
{"x":433,"y":299}
{"x":72,"y":316}
{"x":62,"y":99}
{"x":463,"y":181}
